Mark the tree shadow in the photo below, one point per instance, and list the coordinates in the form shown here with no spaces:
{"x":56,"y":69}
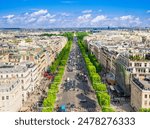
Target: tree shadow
{"x":86,"y":103}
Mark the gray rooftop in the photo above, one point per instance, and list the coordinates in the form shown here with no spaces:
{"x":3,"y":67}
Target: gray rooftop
{"x":12,"y":69}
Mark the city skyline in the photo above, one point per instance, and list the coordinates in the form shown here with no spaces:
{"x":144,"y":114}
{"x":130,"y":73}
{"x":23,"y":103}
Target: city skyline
{"x":74,"y":13}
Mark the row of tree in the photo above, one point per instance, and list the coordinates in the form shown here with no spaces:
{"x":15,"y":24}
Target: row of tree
{"x":54,"y":66}
{"x":144,"y":110}
{"x":95,"y":62}
{"x":93,"y":69}
{"x":58,"y":67}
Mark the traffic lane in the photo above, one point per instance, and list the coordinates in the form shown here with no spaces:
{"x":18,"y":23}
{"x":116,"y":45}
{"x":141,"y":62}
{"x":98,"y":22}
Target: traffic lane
{"x":75,"y":96}
{"x":87,"y":103}
{"x":68,"y":96}
{"x":88,"y":106}
{"x":86,"y":94}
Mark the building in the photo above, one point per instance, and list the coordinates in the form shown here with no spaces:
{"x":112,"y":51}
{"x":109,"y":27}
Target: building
{"x":140,"y":93}
{"x":10,"y":95}
{"x":24,"y":57}
{"x":126,"y":55}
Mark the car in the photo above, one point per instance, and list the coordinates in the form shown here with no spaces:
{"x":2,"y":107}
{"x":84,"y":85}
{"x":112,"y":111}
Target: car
{"x":72,"y":106}
{"x":68,"y":79}
{"x":86,"y":93}
{"x":63,"y":108}
{"x":69,"y":69}
{"x":83,"y":100}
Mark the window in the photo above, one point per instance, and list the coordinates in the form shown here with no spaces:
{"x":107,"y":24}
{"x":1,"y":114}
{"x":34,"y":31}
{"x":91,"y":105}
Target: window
{"x":145,"y":103}
{"x":3,"y":98}
{"x":7,"y":97}
{"x":21,"y":75}
{"x":146,"y":96}
{"x":131,"y":64}
{"x":6,"y":76}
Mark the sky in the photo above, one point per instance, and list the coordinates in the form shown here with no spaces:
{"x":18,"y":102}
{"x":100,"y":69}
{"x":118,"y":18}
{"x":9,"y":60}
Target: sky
{"x":74,"y":13}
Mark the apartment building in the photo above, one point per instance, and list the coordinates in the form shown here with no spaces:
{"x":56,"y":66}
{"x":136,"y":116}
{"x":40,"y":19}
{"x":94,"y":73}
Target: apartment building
{"x":127,"y":67}
{"x":24,"y":57}
{"x":126,"y":55}
{"x":10,"y":95}
{"x":10,"y":71}
{"x":105,"y":55}
{"x":140,"y":93}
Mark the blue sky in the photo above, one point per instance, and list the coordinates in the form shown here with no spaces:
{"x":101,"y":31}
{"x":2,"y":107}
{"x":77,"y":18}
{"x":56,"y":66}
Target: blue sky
{"x":74,"y":13}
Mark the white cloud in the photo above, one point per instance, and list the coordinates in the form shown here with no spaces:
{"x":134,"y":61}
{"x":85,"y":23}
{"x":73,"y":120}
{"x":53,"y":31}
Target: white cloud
{"x":127,"y":20}
{"x":36,"y":18}
{"x":31,"y":20}
{"x":84,"y":17}
{"x":116,"y":18}
{"x":39,"y":17}
{"x":131,"y":19}
{"x":83,"y":20}
{"x":148,"y":11}
{"x":65,"y":14}
{"x":48,"y":15}
{"x":9,"y":16}
{"x":136,"y":20}
{"x":86,"y":11}
{"x":38,"y":13}
{"x":99,"y":18}
{"x":128,"y":17}
{"x":26,"y":13}
{"x":52,"y":20}
{"x":43,"y":18}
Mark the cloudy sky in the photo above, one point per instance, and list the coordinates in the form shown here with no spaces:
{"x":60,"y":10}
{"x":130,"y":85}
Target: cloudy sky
{"x":74,"y":13}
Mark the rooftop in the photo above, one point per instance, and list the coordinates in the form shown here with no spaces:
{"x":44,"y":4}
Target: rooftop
{"x":12,"y":68}
{"x":143,"y":84}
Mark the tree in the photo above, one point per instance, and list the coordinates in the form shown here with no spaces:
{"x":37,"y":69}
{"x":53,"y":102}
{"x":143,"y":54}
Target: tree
{"x":108,"y":109}
{"x":103,"y":99}
{"x":95,"y":78}
{"x":99,"y":87}
{"x":144,"y":110}
{"x":91,"y":69}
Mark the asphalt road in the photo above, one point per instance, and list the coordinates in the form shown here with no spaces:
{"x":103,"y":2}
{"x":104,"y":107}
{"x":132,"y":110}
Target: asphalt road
{"x":76,"y":92}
